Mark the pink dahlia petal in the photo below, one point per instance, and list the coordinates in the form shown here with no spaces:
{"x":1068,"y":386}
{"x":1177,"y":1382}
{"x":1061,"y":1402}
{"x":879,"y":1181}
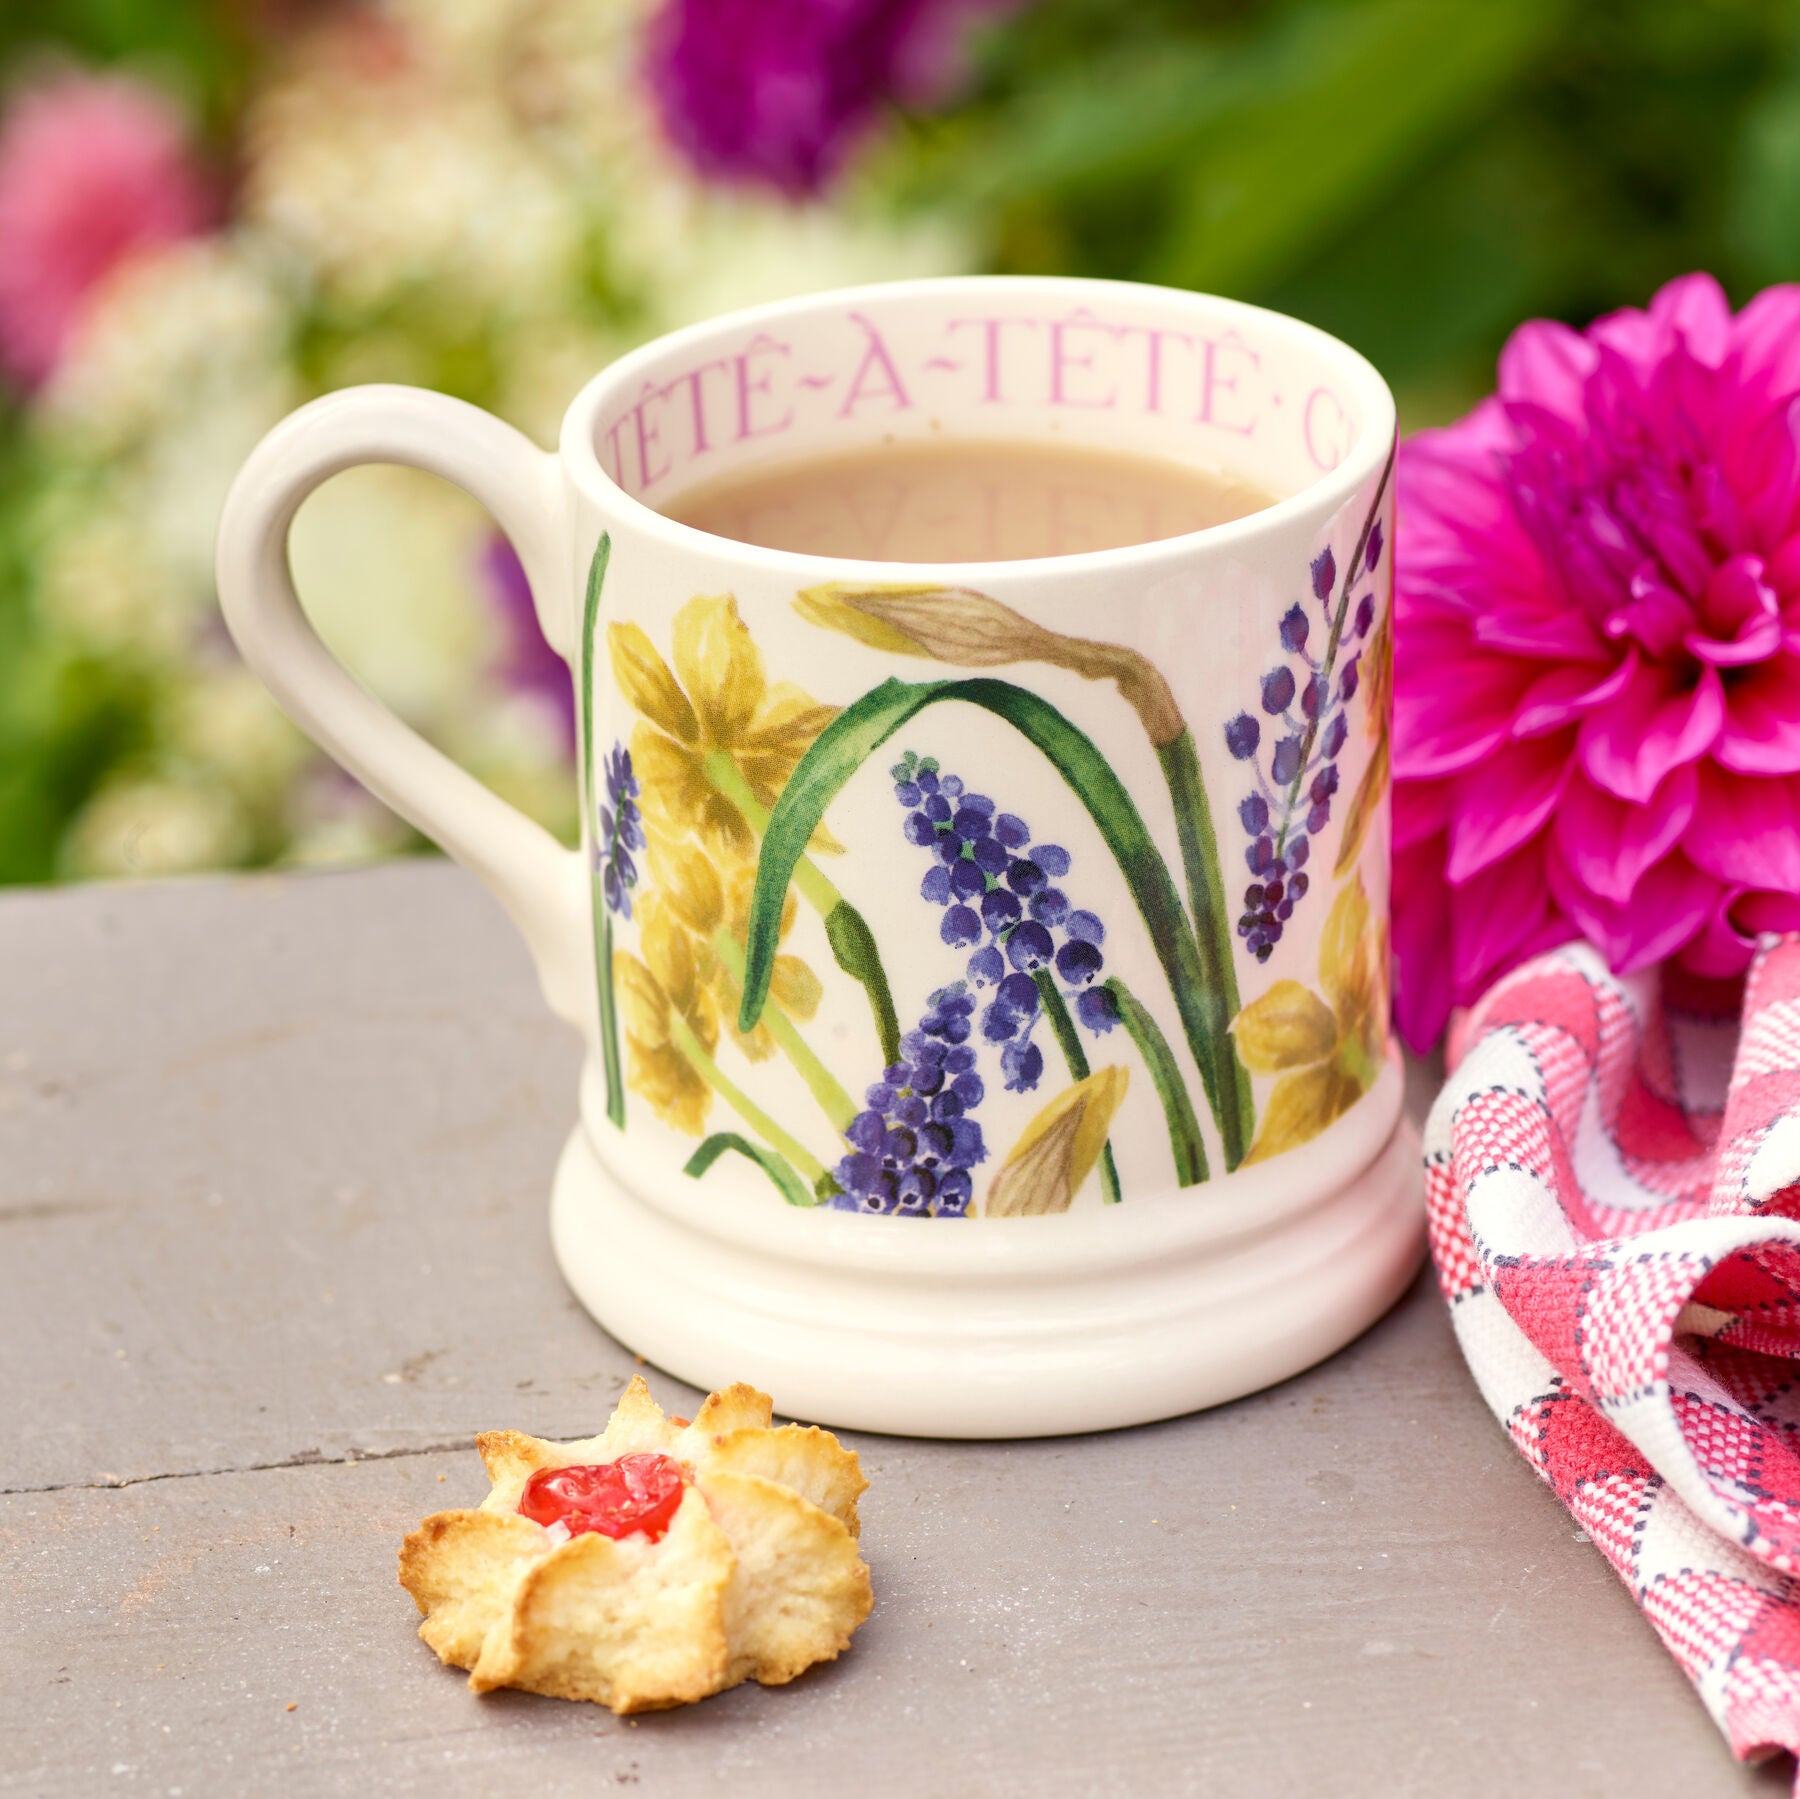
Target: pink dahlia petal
{"x":1652,"y":727}
{"x":1782,"y":570}
{"x":1549,"y":364}
{"x":1448,"y":474}
{"x":1520,"y":630}
{"x":1761,"y":460}
{"x":1638,"y":338}
{"x":1746,"y":832}
{"x":1502,"y":802}
{"x":1655,"y":617}
{"x":1721,"y":947}
{"x":91,"y":170}
{"x":1761,"y":731}
{"x":1669,"y":906}
{"x":1608,"y":844}
{"x":1725,"y":946}
{"x":1739,"y":616}
{"x":1562,"y":696}
{"x":1696,"y":307}
{"x":1421,"y":810}
{"x":1422,"y":969}
{"x":1759,"y":914}
{"x":1453,"y":718}
{"x":1494,"y":917}
{"x":1767,"y":337}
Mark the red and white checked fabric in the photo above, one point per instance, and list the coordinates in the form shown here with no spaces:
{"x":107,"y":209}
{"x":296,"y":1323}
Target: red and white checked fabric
{"x":1614,"y":1190}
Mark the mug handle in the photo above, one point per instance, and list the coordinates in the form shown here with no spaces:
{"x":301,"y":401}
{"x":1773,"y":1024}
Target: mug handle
{"x":541,"y":885}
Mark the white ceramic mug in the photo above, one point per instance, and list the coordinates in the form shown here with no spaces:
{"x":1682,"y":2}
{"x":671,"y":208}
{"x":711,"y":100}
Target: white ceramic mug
{"x":983,"y":967}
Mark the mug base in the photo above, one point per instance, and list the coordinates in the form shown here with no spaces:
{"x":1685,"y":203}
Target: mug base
{"x":987,"y":1353}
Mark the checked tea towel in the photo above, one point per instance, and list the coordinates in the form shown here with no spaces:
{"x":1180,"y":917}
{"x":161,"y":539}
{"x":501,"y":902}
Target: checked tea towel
{"x":1614,"y":1191}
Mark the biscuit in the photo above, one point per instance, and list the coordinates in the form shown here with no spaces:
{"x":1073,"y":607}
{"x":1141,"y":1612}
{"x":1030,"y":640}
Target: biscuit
{"x":756,"y":1576}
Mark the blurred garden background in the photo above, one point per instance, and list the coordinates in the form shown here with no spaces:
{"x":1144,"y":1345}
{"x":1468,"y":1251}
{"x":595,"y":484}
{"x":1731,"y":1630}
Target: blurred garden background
{"x":212,"y":210}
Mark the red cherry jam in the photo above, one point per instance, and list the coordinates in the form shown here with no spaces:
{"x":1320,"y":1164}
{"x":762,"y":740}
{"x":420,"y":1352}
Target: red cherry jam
{"x":637,"y":1493}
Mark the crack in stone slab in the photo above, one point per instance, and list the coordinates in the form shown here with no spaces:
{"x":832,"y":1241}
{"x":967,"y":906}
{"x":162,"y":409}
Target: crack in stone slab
{"x":306,"y":1458}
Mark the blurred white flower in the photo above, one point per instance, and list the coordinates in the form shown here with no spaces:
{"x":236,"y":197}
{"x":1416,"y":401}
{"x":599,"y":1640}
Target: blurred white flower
{"x":386,"y":181}
{"x":101,"y":591}
{"x":199,"y":331}
{"x":140,"y":828}
{"x":739,"y":250}
{"x":222,"y":724}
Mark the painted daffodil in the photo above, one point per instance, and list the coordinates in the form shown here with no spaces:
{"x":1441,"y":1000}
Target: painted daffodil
{"x":1327,"y":1047}
{"x":715,"y":907}
{"x":716,"y":740}
{"x":1058,"y":1149}
{"x":671,"y":1022}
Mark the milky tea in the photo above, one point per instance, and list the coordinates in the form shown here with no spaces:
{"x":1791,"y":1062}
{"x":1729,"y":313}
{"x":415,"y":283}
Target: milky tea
{"x":963,"y":500}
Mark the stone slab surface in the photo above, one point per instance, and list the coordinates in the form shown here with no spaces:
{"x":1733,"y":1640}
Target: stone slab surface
{"x":274,"y":1155}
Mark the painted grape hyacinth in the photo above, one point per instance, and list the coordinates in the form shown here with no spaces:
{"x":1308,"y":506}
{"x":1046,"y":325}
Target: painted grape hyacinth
{"x":621,"y":832}
{"x":1305,"y":701}
{"x":1000,"y":900}
{"x":911,"y":1149}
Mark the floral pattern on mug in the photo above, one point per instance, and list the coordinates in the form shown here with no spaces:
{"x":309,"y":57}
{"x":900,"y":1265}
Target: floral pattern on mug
{"x":716,"y":740}
{"x":735,"y":773}
{"x":1328,"y":1046}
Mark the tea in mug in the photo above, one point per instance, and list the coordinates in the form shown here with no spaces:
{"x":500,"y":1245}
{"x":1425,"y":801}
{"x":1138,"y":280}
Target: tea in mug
{"x":966,"y":500}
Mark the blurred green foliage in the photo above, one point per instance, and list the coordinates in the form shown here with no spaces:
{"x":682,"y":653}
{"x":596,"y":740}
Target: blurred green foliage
{"x":200,"y":48}
{"x":1413,"y":175}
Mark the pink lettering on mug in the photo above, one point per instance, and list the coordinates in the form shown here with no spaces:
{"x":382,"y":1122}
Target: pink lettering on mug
{"x":876,"y":377}
{"x":750,"y":389}
{"x":1063,"y":360}
{"x":1213,"y":384}
{"x":992,"y":328}
{"x":695,"y":382}
{"x":649,"y":436}
{"x":1326,"y":428}
{"x":1154,"y":337}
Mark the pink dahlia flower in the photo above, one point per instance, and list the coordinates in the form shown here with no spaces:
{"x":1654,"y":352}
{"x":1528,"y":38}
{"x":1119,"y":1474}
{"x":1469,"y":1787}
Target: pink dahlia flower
{"x":92,"y":168}
{"x":1597,"y":673}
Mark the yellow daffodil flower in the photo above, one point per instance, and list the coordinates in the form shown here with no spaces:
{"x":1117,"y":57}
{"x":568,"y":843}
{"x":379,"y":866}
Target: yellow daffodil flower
{"x":717,"y":739}
{"x":1057,"y":1150}
{"x":1327,"y":1050}
{"x":668,"y":1011}
{"x":716,"y":908}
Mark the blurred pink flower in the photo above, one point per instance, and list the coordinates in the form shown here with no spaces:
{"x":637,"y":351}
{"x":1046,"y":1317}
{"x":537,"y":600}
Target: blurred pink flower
{"x":777,"y":91}
{"x":1597,"y":676}
{"x":92,"y":168}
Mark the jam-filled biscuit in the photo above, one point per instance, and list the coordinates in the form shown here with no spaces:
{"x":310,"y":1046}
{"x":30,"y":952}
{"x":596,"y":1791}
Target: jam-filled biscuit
{"x":651,"y":1565}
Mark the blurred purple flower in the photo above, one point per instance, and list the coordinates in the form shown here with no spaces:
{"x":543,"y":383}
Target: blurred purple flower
{"x":777,"y":91}
{"x":531,"y":666}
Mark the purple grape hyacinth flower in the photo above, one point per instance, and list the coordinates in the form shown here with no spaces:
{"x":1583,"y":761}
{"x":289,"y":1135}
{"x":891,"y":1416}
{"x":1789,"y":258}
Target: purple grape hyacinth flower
{"x":1001,"y":900}
{"x":1303,"y":699}
{"x":912,"y":1146}
{"x":621,"y":830}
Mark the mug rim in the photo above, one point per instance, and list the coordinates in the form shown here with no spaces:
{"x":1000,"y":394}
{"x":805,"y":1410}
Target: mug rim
{"x":1331,"y":488}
